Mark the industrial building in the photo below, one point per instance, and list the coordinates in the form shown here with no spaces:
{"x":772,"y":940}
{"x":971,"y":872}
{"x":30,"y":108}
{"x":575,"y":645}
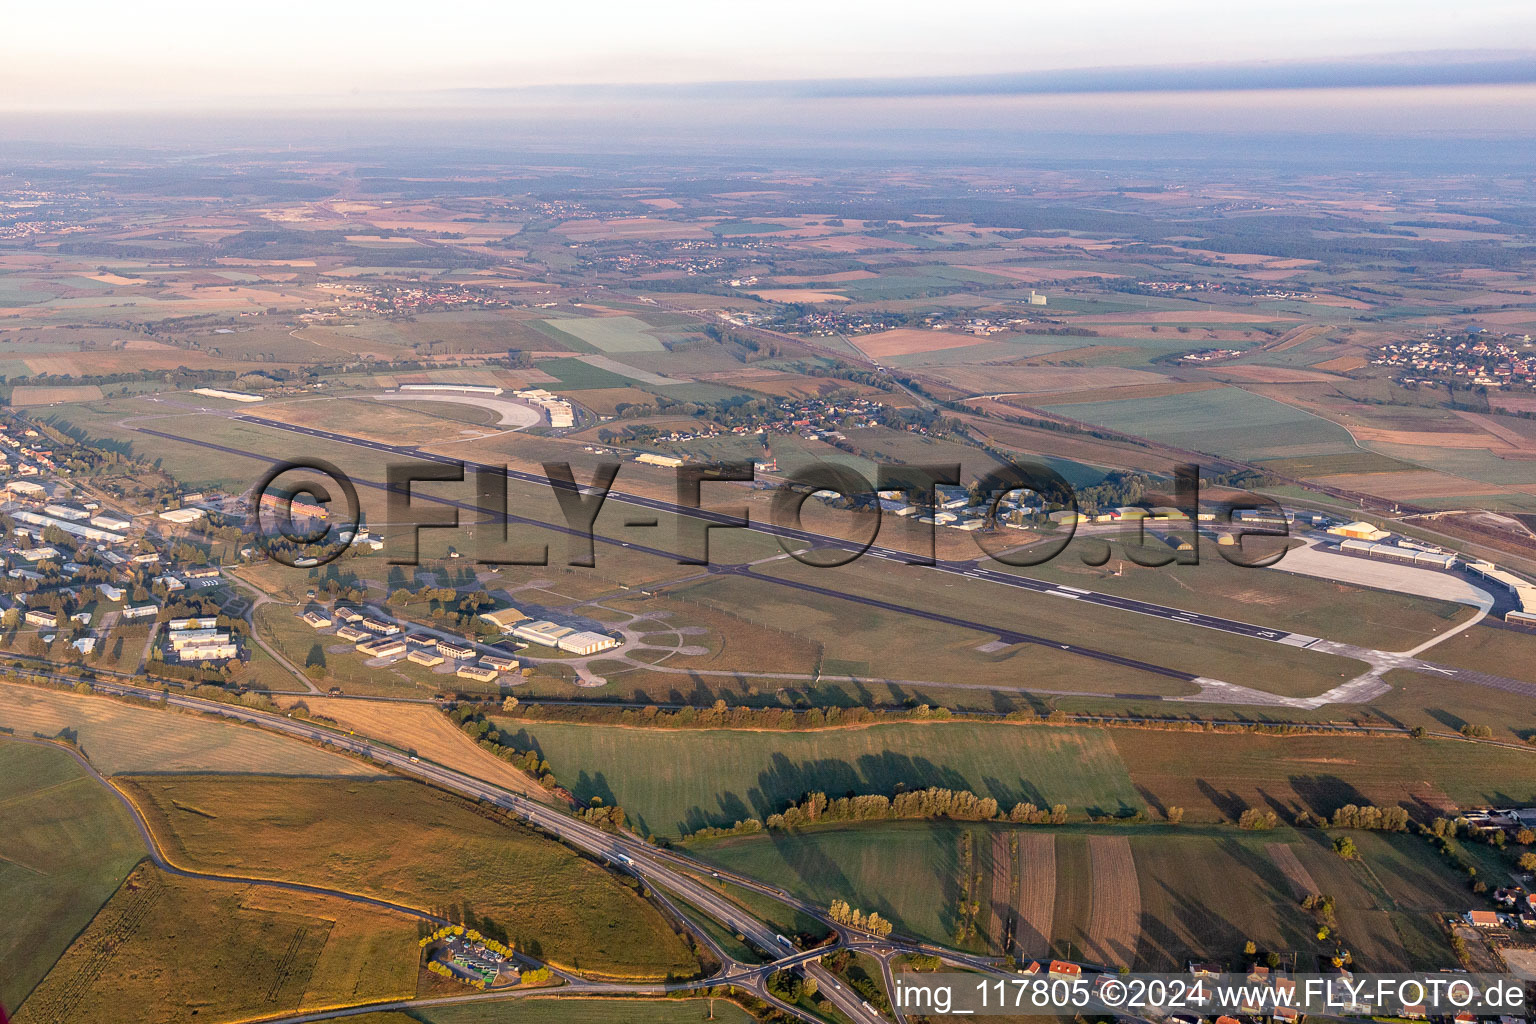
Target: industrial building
{"x":1400,"y":554}
{"x":380,"y":627}
{"x":352,"y":635}
{"x":467,"y":389}
{"x":203,"y":622}
{"x":317,"y":620}
{"x":1523,"y":590}
{"x":458,"y":652}
{"x":424,"y":656}
{"x":503,"y":618}
{"x":478,"y":674}
{"x":543,"y":632}
{"x":665,"y":461}
{"x":1359,"y":531}
{"x":500,"y":664}
{"x":383,"y":647}
{"x":68,"y":512}
{"x":586,"y":642}
{"x":74,"y":529}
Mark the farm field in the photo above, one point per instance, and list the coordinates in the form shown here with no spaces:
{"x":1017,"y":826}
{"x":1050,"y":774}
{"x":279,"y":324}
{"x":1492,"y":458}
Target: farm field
{"x":1218,"y":775}
{"x":225,"y":952}
{"x":570,"y":1011}
{"x":407,"y":843}
{"x":427,"y":732}
{"x":1152,"y":897}
{"x":675,"y":780}
{"x":1229,"y":421}
{"x":609,"y":333}
{"x":66,"y":846}
{"x":120,"y":738}
{"x":905,"y":871}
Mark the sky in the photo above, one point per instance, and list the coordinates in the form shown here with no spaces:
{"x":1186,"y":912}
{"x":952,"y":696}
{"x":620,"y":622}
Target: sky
{"x":154,"y":55}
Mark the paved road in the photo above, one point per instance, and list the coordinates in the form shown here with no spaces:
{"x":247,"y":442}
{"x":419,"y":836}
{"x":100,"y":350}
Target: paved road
{"x":971,"y":570}
{"x":623,"y":851}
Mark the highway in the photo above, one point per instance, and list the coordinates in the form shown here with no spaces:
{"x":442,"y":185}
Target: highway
{"x":624,"y":851}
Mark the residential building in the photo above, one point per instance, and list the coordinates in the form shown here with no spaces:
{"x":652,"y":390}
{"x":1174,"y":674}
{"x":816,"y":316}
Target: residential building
{"x":458,"y":652}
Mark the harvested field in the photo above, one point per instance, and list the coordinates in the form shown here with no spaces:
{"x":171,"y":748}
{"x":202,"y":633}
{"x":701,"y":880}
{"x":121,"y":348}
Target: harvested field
{"x":1425,"y":484}
{"x":119,"y":738}
{"x":799,"y":295}
{"x":227,"y":952}
{"x":1295,"y":872}
{"x":606,"y":401}
{"x":994,"y":380}
{"x":1273,"y":375}
{"x":1114,"y":926}
{"x":629,"y":228}
{"x":1031,"y":275}
{"x":1115,"y":394}
{"x":846,"y":275}
{"x":1512,"y":403}
{"x":1000,"y":912}
{"x":1037,"y":893}
{"x":1344,"y":364}
{"x":1194,"y":315}
{"x":427,"y":732}
{"x":29,"y":395}
{"x":1502,"y":431}
{"x":1298,"y":336}
{"x":851,"y":243}
{"x":905,"y":341}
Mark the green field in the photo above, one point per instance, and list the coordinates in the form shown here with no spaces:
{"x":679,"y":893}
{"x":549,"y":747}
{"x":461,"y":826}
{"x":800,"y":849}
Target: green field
{"x":609,"y":333}
{"x":1203,"y":891}
{"x":66,"y":845}
{"x":407,"y":843}
{"x":904,"y":870}
{"x":903,"y":646}
{"x":680,"y":780}
{"x":1224,"y":773}
{"x":575,"y":375}
{"x":169,"y":948}
{"x":1228,"y":421}
{"x":1269,"y":598}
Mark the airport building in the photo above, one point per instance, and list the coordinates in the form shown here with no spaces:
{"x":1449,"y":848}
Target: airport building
{"x":1398,"y":553}
{"x":1524,"y":591}
{"x":586,"y":642}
